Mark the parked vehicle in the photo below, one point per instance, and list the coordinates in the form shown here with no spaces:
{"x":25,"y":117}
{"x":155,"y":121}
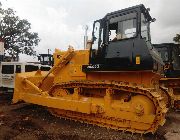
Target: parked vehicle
{"x":8,"y":71}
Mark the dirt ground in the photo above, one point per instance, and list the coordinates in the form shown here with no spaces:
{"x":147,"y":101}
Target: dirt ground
{"x":31,"y":122}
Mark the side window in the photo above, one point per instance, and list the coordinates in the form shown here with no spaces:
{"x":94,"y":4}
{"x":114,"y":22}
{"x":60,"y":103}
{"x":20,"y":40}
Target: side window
{"x":123,"y":27}
{"x":144,"y":27}
{"x":18,"y":68}
{"x":29,"y":68}
{"x":122,"y":30}
{"x":176,"y":58}
{"x":8,"y":69}
{"x":164,"y":54}
{"x":129,"y":28}
{"x":43,"y":68}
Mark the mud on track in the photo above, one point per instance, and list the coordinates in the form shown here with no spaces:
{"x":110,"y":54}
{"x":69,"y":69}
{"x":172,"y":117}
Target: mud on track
{"x":31,"y":122}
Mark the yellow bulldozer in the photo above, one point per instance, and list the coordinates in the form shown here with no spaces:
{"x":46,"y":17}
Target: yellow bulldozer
{"x":114,"y":84}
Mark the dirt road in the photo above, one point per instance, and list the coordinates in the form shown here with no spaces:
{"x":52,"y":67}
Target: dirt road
{"x":31,"y":122}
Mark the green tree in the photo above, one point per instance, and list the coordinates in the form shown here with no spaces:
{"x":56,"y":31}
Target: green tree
{"x":177,"y":38}
{"x":16,"y":33}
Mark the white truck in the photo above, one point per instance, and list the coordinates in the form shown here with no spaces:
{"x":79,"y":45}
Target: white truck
{"x":9,"y":69}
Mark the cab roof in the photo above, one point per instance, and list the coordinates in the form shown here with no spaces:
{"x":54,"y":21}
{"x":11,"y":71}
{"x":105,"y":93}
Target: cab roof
{"x":138,"y":8}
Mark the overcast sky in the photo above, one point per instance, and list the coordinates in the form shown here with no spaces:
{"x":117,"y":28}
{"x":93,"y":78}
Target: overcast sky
{"x":61,"y":22}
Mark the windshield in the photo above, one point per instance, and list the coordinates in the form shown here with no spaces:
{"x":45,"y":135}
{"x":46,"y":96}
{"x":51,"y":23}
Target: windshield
{"x":144,"y":27}
{"x":46,"y":58}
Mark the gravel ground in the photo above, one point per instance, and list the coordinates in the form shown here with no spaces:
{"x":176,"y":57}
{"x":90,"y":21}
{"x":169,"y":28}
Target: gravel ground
{"x":31,"y":122}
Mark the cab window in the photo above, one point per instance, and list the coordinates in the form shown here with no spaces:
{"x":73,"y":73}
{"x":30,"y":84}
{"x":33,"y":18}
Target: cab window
{"x":29,"y":68}
{"x":144,"y":27}
{"x":128,"y":28}
{"x":18,"y":68}
{"x":122,"y":27}
{"x":8,"y":69}
{"x":43,"y":68}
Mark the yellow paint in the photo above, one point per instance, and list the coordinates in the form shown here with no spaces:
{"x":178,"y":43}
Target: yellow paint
{"x":118,"y":109}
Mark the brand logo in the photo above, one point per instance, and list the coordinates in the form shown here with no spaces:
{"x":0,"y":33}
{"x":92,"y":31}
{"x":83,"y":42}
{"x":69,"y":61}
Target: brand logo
{"x":97,"y":66}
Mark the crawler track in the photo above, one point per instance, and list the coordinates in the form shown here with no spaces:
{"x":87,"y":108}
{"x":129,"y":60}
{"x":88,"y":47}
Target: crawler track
{"x":124,"y":123}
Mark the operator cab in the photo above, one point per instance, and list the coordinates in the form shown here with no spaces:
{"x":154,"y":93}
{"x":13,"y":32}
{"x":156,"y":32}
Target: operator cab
{"x":46,"y":59}
{"x":121,"y":41}
{"x":170,"y":54}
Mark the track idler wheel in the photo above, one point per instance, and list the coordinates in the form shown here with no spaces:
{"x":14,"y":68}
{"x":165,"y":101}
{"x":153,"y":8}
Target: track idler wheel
{"x":142,"y":105}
